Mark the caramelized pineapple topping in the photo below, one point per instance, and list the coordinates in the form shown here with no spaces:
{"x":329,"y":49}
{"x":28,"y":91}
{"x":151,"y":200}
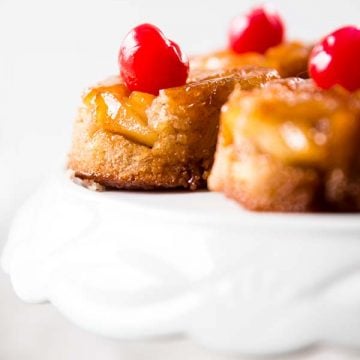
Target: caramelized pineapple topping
{"x":120,"y":112}
{"x":300,"y":126}
{"x":289,"y":59}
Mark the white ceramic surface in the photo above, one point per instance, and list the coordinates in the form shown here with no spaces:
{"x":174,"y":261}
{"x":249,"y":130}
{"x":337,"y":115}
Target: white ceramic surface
{"x":130,"y":265}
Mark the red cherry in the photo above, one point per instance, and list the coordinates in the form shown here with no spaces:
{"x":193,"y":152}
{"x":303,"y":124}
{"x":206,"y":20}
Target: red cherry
{"x":256,"y":31}
{"x":336,"y":59}
{"x":150,"y":62}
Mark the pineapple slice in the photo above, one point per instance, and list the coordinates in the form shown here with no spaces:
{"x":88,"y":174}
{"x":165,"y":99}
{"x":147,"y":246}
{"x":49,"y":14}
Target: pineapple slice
{"x":226,"y":59}
{"x":120,"y":112}
{"x":299,"y":126}
{"x":289,"y":59}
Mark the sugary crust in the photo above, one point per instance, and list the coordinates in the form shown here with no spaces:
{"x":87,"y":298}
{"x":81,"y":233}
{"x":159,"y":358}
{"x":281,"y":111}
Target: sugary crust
{"x":186,"y":121}
{"x":265,"y":178}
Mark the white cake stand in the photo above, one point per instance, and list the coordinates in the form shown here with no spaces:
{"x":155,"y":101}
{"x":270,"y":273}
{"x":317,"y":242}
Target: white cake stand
{"x":135,"y":264}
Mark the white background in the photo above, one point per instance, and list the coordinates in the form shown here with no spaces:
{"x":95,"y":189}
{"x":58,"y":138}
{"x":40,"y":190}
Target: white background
{"x":50,"y":51}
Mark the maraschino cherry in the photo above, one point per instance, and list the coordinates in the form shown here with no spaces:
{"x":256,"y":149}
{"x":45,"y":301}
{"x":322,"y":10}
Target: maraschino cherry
{"x":256,"y":31}
{"x":150,"y":62}
{"x":336,"y":59}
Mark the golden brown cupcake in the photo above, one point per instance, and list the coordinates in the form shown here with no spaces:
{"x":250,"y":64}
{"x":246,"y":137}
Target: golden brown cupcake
{"x":290,"y":146}
{"x":289,"y":59}
{"x":134,"y":140}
